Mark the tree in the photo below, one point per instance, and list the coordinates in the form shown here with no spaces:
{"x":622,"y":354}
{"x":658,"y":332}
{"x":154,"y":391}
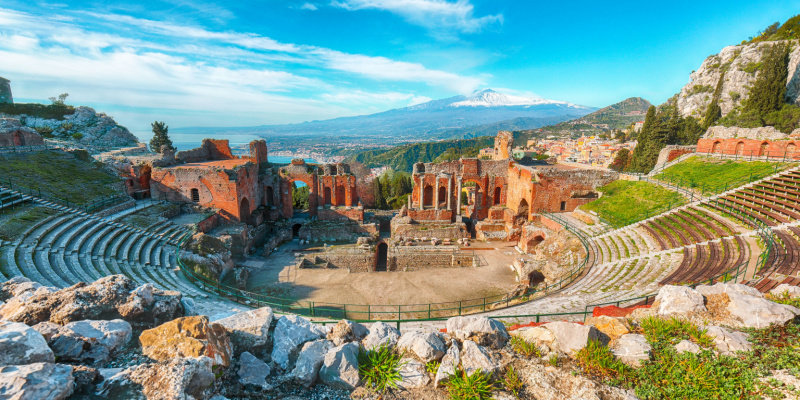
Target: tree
{"x":160,"y":137}
{"x":59,"y":101}
{"x":768,"y":92}
{"x":300,"y":197}
{"x":380,"y":200}
{"x":641,"y":154}
{"x":621,"y":160}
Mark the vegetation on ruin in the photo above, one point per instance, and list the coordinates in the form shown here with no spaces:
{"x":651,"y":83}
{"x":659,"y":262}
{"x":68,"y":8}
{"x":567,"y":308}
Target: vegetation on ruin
{"x":14,"y":222}
{"x":662,"y":127}
{"x":705,"y":375}
{"x":392,"y":189}
{"x":160,"y":137}
{"x":626,"y":202}
{"x":35,"y":110}
{"x":379,"y":368}
{"x":524,"y":348}
{"x":788,"y":30}
{"x":712,"y":174}
{"x":403,"y":158}
{"x":511,"y":381}
{"x":476,"y":386}
{"x":60,"y":175}
{"x":300,"y":197}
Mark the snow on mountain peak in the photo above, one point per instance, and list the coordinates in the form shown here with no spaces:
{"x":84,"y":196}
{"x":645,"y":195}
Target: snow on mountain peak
{"x":491,"y":98}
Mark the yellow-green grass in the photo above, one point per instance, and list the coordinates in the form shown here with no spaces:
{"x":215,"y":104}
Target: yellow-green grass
{"x":713,"y":175}
{"x":626,"y":202}
{"x":14,"y":222}
{"x":61,"y":175}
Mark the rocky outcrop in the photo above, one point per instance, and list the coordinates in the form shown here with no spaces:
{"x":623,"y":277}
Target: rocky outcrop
{"x":482,"y":330}
{"x":20,"y":344}
{"x":96,"y":129}
{"x":447,"y":368}
{"x":563,"y":337}
{"x":37,"y":381}
{"x":551,"y":383}
{"x":733,"y":132}
{"x":412,"y":374}
{"x":90,"y":341}
{"x":253,"y":372}
{"x":425,"y":345}
{"x":249,"y":330}
{"x":475,"y":357}
{"x":381,"y":334}
{"x":347,"y":331}
{"x":187,"y":337}
{"x":291,"y":332}
{"x":13,"y":133}
{"x":306,"y":369}
{"x":177,"y":379}
{"x":340,"y":368}
{"x":111,"y":297}
{"x":741,"y":64}
{"x":673,"y":300}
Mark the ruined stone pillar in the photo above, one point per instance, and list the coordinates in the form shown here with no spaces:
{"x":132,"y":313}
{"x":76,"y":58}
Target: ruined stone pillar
{"x":449,"y":193}
{"x":436,"y":195}
{"x":458,"y":197}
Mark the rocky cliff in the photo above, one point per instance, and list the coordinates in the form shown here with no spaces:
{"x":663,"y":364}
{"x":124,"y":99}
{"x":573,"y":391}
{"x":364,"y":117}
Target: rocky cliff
{"x":85,"y":126}
{"x":738,"y":66}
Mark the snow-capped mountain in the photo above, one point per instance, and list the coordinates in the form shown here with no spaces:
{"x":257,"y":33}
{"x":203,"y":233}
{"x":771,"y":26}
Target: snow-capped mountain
{"x":454,"y":117}
{"x":491,"y":98}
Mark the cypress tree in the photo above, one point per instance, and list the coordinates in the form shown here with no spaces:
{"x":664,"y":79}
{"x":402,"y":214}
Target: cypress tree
{"x":714,"y":112}
{"x":768,"y":92}
{"x":160,"y":137}
{"x":380,"y":200}
{"x":638,"y":163}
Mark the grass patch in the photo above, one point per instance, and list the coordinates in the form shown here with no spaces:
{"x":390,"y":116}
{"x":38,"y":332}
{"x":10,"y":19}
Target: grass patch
{"x":626,"y":202}
{"x":15,"y":222}
{"x":672,"y":331}
{"x":477,"y":386}
{"x":712,"y":175}
{"x":523,"y":348}
{"x":512,"y":382}
{"x":597,"y":360}
{"x":61,"y":175}
{"x":379,"y":368}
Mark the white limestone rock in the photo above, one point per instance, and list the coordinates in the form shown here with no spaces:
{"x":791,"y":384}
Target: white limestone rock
{"x":381,"y":333}
{"x":632,"y":349}
{"x":571,"y":337}
{"x":728,"y":342}
{"x":675,"y":300}
{"x":178,"y":379}
{"x":347,"y":331}
{"x":340,"y":368}
{"x":792,"y":291}
{"x":412,"y":374}
{"x":448,"y":365}
{"x":476,"y":357}
{"x":685,"y":345}
{"x":482,"y":330}
{"x":249,"y":330}
{"x":291,"y":332}
{"x":253,"y":371}
{"x":425,"y":345}
{"x":90,"y":341}
{"x":756,"y":312}
{"x":37,"y":381}
{"x":21,"y":344}
{"x":306,"y":369}
{"x":545,"y":382}
{"x":720,"y":288}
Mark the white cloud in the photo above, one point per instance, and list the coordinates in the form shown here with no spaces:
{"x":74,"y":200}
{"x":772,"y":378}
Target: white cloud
{"x":436,"y":15}
{"x":308,"y":6}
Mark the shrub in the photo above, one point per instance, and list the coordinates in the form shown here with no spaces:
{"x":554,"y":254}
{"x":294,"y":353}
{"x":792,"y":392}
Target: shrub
{"x":379,"y":368}
{"x":553,"y":360}
{"x":597,"y":360}
{"x":432,"y":366}
{"x":672,"y":331}
{"x":477,"y":386}
{"x":77,"y":136}
{"x":524,"y":348}
{"x":45,"y":131}
{"x":512,"y":382}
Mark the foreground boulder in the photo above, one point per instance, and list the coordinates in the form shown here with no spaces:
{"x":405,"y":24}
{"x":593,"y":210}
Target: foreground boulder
{"x":427,"y":346}
{"x":111,"y":297}
{"x":37,"y":381}
{"x":90,"y":341}
{"x":17,"y":286}
{"x":381,"y":334}
{"x":673,"y":300}
{"x":550,"y":383}
{"x":412,"y":374}
{"x":610,"y":326}
{"x":291,"y":332}
{"x":340,"y":368}
{"x":249,"y":330}
{"x":564,"y":337}
{"x":482,"y":330}
{"x":178,"y":379}
{"x":450,"y":361}
{"x":632,"y":349}
{"x":347,"y":331}
{"x":306,"y":369}
{"x":253,"y":371}
{"x":476,"y":357}
{"x":741,"y":306}
{"x":187,"y":337}
{"x":20,"y":344}
{"x":728,"y":342}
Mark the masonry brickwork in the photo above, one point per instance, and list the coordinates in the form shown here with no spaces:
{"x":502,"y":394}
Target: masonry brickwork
{"x":751,"y":147}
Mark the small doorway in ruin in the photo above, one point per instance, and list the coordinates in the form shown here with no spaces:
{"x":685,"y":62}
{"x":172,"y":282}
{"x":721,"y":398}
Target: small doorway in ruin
{"x":327,"y":196}
{"x":270,"y":196}
{"x":497,"y":192}
{"x":442,"y":196}
{"x":296,"y":230}
{"x":195,"y":196}
{"x":563,"y":206}
{"x":382,"y":257}
{"x":244,"y":211}
{"x":427,"y":196}
{"x":535,"y":278}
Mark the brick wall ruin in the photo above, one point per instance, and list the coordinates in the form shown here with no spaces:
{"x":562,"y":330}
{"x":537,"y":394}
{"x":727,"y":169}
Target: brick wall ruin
{"x":751,"y":147}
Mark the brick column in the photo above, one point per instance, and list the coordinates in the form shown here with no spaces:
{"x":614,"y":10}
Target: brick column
{"x":458,"y":196}
{"x":436,"y":195}
{"x":449,"y":193}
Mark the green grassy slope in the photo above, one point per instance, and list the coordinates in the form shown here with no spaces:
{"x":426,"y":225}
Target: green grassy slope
{"x":626,"y":202}
{"x":714,"y":175}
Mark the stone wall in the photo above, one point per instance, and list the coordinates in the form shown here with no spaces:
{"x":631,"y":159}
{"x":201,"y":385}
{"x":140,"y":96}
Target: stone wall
{"x":5,"y":91}
{"x":356,"y":260}
{"x":751,"y":147}
{"x":502,"y":145}
{"x":336,"y":231}
{"x":12,"y":133}
{"x":672,"y":152}
{"x":210,"y":150}
{"x":340,"y":213}
{"x":453,"y":231}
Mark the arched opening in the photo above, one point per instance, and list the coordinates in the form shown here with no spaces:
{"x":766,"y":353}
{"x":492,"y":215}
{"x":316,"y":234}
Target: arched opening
{"x":244,"y":211}
{"x":522,"y":210}
{"x":762,"y":151}
{"x":427,"y":196}
{"x":296,"y":230}
{"x":535,"y":242}
{"x":790,"y":150}
{"x":17,"y":138}
{"x":563,"y":206}
{"x":144,"y":177}
{"x":535,"y":278}
{"x":195,"y":196}
{"x":381,"y":261}
{"x":497,"y":192}
{"x":442,"y":196}
{"x":326,"y":193}
{"x":740,"y":148}
{"x":341,"y":199}
{"x":269,"y":196}
{"x":715,"y":147}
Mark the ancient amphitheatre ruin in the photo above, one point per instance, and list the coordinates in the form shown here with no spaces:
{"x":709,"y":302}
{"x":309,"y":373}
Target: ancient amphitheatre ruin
{"x":519,"y":246}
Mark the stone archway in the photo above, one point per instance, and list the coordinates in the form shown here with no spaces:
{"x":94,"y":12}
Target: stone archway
{"x":740,"y":148}
{"x":523,"y":208}
{"x":382,"y":257}
{"x":497,"y":193}
{"x":715,"y":147}
{"x":244,"y":211}
{"x":427,"y":196}
{"x":762,"y":150}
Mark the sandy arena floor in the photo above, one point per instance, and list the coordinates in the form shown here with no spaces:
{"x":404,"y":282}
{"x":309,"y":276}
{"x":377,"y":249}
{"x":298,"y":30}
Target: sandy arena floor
{"x":279,"y":274}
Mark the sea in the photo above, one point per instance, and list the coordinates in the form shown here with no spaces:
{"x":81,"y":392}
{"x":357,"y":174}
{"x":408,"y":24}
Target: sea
{"x":187,"y":141}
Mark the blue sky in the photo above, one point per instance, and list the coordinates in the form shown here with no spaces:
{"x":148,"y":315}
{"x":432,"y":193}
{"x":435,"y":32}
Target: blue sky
{"x":217,"y":63}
